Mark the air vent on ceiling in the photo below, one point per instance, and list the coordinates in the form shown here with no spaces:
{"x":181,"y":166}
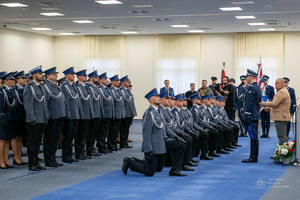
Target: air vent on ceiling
{"x":138,"y":11}
{"x":46,"y":4}
{"x":108,"y":27}
{"x":12,"y":23}
{"x":269,"y":20}
{"x":278,"y":26}
{"x":161,"y":19}
{"x":57,"y":29}
{"x":142,"y":6}
{"x":242,"y":2}
{"x":51,"y":9}
{"x":205,"y":28}
{"x":111,"y":24}
{"x":190,"y":22}
{"x":135,"y":27}
{"x":274,"y":24}
{"x":33,"y":24}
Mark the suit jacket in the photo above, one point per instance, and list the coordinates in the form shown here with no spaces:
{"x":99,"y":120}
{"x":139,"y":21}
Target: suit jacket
{"x":73,"y":104}
{"x":107,"y":102}
{"x":56,"y":100}
{"x":188,"y":94}
{"x":170,"y":90}
{"x":8,"y":104}
{"x":293,"y":100}
{"x":130,"y":110}
{"x":95,"y":100}
{"x":35,"y":103}
{"x":85,"y":101}
{"x":280,"y":106}
{"x":252,"y":100}
{"x":21,"y":114}
{"x":119,"y":111}
{"x":154,"y":132}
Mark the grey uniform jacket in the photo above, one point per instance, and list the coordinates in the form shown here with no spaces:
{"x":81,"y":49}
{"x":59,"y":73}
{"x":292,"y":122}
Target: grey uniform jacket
{"x":35,"y":103}
{"x":206,"y":117}
{"x":130,"y":110}
{"x":72,"y":100}
{"x":170,"y":128}
{"x":95,"y":100}
{"x":56,"y":100}
{"x":154,"y":132}
{"x":119,"y":111}
{"x":107,"y":102}
{"x":85,"y":101}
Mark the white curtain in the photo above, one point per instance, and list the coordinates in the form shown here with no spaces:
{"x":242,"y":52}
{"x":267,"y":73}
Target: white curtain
{"x":103,"y":53}
{"x":251,"y":46}
{"x":178,"y":60}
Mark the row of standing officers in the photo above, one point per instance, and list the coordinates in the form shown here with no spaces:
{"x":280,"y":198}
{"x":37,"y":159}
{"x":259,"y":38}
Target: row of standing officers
{"x":87,"y":111}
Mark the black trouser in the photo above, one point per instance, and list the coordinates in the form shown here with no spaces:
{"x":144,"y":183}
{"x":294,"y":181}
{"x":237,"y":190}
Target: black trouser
{"x":213,"y":139}
{"x":104,"y":126}
{"x":114,"y":129}
{"x":51,"y":138}
{"x":230,"y":112}
{"x":93,"y":132}
{"x":34,"y":139}
{"x":188,"y":150}
{"x":265,"y":119}
{"x":124,"y":131}
{"x":175,"y":150}
{"x":151,"y":164}
{"x":227,"y":134}
{"x":80,"y":137}
{"x":69,"y":131}
{"x":203,"y":144}
{"x":236,"y":130}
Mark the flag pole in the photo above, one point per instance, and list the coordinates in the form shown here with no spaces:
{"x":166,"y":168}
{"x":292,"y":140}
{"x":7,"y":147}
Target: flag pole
{"x":259,"y":121}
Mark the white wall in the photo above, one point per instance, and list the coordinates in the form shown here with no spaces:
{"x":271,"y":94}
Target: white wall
{"x":24,"y":51}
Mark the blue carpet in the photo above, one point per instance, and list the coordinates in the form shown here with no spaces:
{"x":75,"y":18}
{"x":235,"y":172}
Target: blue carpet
{"x":223,"y":178}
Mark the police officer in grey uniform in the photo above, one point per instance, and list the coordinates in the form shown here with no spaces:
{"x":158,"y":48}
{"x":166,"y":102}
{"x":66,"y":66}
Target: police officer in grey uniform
{"x":96,"y":113}
{"x":83,"y":123}
{"x":119,"y":114}
{"x":240,"y":99}
{"x":58,"y":112}
{"x":107,"y":108}
{"x":130,"y":111}
{"x":73,"y":110}
{"x":251,"y":114}
{"x":153,"y":145}
{"x":37,"y":115}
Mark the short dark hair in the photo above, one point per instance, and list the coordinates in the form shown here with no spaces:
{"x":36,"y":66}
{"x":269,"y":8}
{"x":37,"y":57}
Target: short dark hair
{"x":226,"y":78}
{"x":192,"y":84}
{"x":204,"y":80}
{"x":166,"y":80}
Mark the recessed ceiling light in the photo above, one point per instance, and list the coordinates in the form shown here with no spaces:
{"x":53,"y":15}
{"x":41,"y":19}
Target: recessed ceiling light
{"x":42,"y":29}
{"x":109,"y":2}
{"x":129,"y":32}
{"x":52,"y":14}
{"x":266,"y":29}
{"x":83,"y":21}
{"x":245,"y":17}
{"x":12,"y":5}
{"x":66,"y":33}
{"x":230,"y":9}
{"x":257,"y":24}
{"x":242,"y":2}
{"x":195,"y":31}
{"x":142,"y":6}
{"x":180,"y":26}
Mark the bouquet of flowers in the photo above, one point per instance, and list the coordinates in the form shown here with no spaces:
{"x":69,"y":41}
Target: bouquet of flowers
{"x":285,"y":152}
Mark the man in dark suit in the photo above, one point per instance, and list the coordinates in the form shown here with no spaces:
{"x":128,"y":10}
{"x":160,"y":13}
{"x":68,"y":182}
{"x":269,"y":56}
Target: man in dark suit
{"x":153,"y":145}
{"x":37,"y":115}
{"x":293,"y":102}
{"x":265,"y":116}
{"x":190,"y":93}
{"x":228,"y":92}
{"x":167,"y":88}
{"x":251,"y":114}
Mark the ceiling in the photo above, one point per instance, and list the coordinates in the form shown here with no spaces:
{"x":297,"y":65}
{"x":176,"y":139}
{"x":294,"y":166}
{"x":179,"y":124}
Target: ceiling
{"x":150,"y":16}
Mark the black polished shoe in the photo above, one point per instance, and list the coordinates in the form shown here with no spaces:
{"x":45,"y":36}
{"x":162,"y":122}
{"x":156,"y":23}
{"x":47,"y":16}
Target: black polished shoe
{"x":108,"y":151}
{"x":9,"y":166}
{"x":51,"y":165}
{"x":67,"y":160}
{"x":263,"y":136}
{"x":103,"y":151}
{"x":40,"y":167}
{"x":87,"y":157}
{"x":125,"y":165}
{"x":249,"y":160}
{"x":33,"y":168}
{"x":236,"y":145}
{"x":186,"y":168}
{"x":195,"y":161}
{"x":176,"y":173}
{"x":272,"y":158}
{"x":119,"y":149}
{"x":192,"y":164}
{"x":80,"y":158}
{"x":205,"y":158}
{"x":222,"y":151}
{"x":74,"y":160}
{"x":16,"y":163}
{"x":92,"y":153}
{"x":227,"y":149}
{"x":126,"y":147}
{"x":231,"y":147}
{"x":25,"y":163}
{"x":213,"y":154}
{"x":58,"y":164}
{"x":241,"y":135}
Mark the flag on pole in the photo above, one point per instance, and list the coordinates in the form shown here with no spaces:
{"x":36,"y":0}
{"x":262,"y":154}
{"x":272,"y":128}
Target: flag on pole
{"x":259,"y":77}
{"x":223,"y":73}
